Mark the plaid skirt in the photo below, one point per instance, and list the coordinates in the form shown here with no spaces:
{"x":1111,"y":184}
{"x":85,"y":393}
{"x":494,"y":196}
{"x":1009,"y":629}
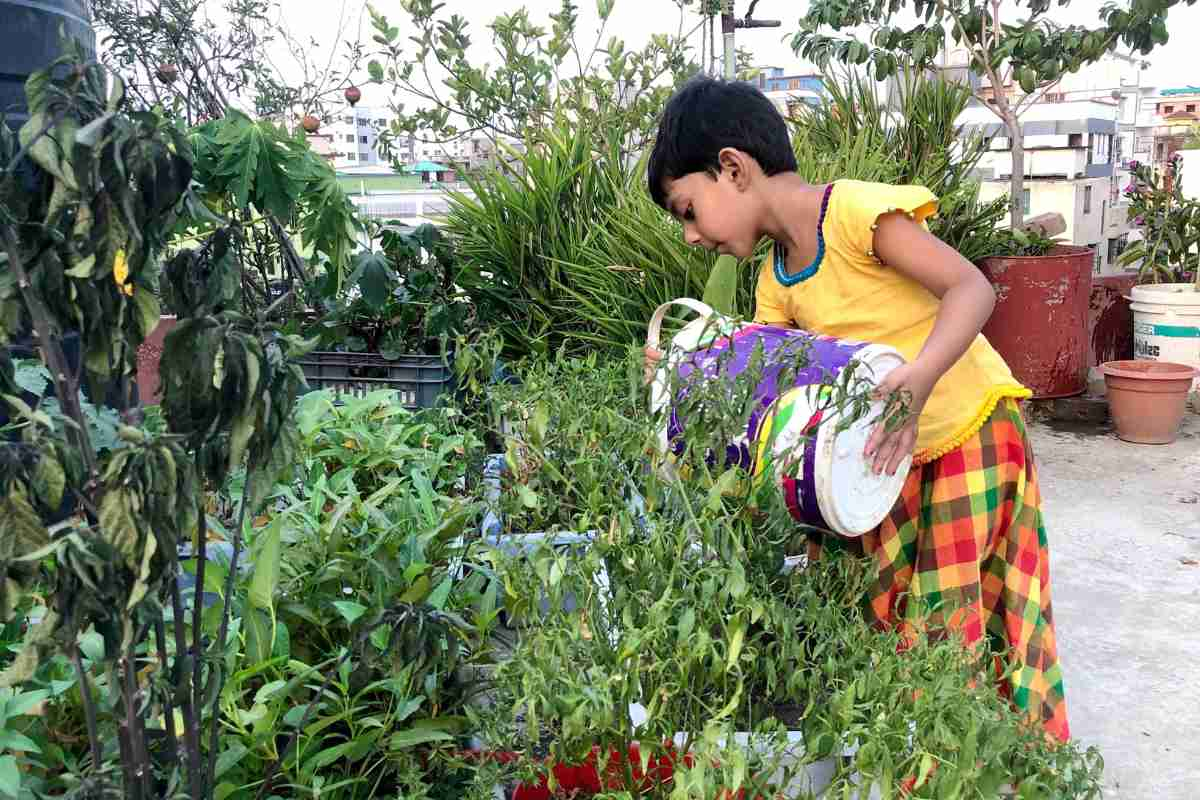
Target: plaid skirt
{"x":965,"y":549}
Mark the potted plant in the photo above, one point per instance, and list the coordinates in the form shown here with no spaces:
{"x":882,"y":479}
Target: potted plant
{"x":1047,"y":351}
{"x":388,"y":325}
{"x":674,"y":655}
{"x":1166,"y":301}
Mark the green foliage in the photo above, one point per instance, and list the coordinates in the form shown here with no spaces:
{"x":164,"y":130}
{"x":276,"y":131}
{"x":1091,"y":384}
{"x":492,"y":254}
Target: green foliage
{"x":1170,"y":225}
{"x":1032,"y":52}
{"x":364,"y":629}
{"x":90,"y":195}
{"x":683,"y":606}
{"x":266,"y":179}
{"x":565,"y":247}
{"x":399,"y":299}
{"x":540,"y":74}
{"x":1036,"y":50}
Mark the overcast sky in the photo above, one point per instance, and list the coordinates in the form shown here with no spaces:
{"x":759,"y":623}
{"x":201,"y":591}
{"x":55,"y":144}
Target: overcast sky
{"x":1173,"y":64}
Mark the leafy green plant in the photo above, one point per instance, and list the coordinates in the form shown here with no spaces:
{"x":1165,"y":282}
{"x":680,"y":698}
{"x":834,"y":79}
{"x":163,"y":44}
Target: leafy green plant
{"x":398,"y":300}
{"x":370,"y":627}
{"x":682,"y":608}
{"x":1169,"y":222}
{"x":267,"y":181}
{"x":1033,"y":51}
{"x":909,"y":137}
{"x":89,"y":195}
{"x":15,"y":745}
{"x":544,"y":74}
{"x":565,"y":246}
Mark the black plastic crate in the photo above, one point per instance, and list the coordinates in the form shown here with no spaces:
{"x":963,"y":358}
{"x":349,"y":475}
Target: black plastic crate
{"x":419,"y":380}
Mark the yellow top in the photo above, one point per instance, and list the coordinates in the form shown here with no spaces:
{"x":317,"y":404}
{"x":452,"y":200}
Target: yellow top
{"x":854,"y":296}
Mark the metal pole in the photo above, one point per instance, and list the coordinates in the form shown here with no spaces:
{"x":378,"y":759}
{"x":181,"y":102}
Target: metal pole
{"x":727,"y":27}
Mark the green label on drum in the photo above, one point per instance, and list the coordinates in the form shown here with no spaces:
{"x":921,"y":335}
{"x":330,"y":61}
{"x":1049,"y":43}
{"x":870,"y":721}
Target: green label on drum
{"x":1174,"y":331}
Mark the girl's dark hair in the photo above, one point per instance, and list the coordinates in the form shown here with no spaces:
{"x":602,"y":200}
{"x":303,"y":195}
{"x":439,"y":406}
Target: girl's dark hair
{"x":708,"y":115}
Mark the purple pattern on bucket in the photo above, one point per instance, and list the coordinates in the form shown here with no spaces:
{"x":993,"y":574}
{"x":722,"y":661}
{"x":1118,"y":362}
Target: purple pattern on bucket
{"x":809,"y":507}
{"x":780,"y":346}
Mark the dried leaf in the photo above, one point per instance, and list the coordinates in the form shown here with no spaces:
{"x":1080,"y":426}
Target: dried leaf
{"x":49,"y":480}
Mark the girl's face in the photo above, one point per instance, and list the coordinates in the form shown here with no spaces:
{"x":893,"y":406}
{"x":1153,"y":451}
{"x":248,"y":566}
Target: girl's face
{"x":717,"y":214}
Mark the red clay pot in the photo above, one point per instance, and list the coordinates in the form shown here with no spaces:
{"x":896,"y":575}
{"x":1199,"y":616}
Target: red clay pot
{"x":1040,"y":324}
{"x":1147,"y":399}
{"x":148,"y":356}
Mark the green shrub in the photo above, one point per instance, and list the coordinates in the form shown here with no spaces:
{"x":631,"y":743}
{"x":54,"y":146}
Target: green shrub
{"x":565,"y":248}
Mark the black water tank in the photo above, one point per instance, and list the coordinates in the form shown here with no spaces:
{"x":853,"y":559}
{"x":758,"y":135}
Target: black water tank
{"x":30,"y":39}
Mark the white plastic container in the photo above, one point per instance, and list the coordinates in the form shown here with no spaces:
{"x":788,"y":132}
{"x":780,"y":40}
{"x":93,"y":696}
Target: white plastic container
{"x":1166,"y":324}
{"x":825,"y":480}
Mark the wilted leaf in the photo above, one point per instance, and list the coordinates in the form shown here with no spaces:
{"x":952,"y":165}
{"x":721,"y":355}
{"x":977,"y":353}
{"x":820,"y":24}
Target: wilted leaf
{"x":49,"y":480}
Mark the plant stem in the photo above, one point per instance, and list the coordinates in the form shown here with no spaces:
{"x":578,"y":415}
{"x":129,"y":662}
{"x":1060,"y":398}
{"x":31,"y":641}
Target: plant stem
{"x":138,"y":762}
{"x":183,"y":683}
{"x":89,"y":707}
{"x":217,"y":672}
{"x":200,"y":552}
{"x":160,"y":635}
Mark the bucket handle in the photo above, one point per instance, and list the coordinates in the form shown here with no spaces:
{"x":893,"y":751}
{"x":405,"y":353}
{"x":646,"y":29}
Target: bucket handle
{"x":654,"y":332}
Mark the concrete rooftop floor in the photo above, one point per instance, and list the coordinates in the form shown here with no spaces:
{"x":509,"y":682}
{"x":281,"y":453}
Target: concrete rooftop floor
{"x":1124,"y":528}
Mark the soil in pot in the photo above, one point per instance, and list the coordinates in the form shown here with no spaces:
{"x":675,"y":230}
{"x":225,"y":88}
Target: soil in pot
{"x":1147,"y":399}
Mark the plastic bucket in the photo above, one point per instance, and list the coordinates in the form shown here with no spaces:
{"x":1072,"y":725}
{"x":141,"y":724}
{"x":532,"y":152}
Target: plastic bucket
{"x":825,"y":480}
{"x":1166,"y":324}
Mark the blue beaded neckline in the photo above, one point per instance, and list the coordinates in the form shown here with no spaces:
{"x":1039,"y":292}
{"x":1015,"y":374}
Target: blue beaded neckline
{"x":781,"y":273}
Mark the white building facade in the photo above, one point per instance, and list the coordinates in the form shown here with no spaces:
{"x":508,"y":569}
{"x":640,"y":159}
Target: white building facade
{"x":355,"y":137}
{"x":1070,"y":167}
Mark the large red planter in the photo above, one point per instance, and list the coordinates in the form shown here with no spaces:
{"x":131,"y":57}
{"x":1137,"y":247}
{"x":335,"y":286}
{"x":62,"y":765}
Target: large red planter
{"x":1040,"y":325}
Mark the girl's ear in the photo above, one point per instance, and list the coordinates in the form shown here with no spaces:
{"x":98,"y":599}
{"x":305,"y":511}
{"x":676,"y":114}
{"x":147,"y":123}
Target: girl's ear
{"x":737,"y":166}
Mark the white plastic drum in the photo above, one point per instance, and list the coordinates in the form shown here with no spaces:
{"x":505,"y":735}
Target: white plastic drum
{"x":825,"y":479}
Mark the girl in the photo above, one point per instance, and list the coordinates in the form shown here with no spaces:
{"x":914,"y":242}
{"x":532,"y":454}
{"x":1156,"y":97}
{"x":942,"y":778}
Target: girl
{"x":965,"y":547}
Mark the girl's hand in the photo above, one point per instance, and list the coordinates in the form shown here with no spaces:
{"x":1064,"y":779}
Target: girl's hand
{"x":650,"y":362}
{"x":914,"y":383}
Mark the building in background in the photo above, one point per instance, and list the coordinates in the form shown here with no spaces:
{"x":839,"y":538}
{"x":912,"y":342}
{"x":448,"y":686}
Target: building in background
{"x":1176,"y":122}
{"x":322,"y":145}
{"x":355,"y":138}
{"x":1080,"y":136}
{"x":1070,"y":163}
{"x":786,"y":91}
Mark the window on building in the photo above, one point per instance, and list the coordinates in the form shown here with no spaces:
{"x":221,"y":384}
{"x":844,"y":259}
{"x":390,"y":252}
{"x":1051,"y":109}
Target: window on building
{"x":1168,"y":109}
{"x":348,"y":120}
{"x":1075,"y":140}
{"x":362,"y":139}
{"x":1115,"y":248}
{"x":1191,"y":108}
{"x":1095,"y":257}
{"x":1087,"y":199}
{"x":1025,"y":201}
{"x":351,"y":156}
{"x":349,"y":137}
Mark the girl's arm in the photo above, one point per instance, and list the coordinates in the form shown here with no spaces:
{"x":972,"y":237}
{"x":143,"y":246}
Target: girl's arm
{"x":967,"y":300}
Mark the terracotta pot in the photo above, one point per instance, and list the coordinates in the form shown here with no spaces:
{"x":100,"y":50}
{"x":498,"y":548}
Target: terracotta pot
{"x":1147,"y":399}
{"x":148,"y":355}
{"x":1040,"y":324}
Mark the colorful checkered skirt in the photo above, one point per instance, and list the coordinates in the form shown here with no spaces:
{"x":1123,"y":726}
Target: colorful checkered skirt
{"x":965,"y":549}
